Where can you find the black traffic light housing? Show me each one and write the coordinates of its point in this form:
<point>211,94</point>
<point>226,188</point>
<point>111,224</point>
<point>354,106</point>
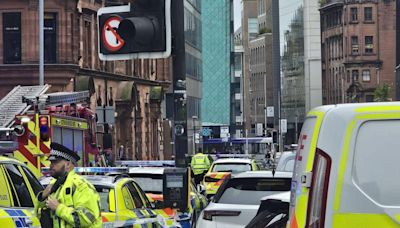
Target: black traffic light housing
<point>143,29</point>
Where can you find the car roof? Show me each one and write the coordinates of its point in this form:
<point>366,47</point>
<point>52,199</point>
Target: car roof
<point>147,170</point>
<point>263,173</point>
<point>4,159</point>
<point>233,160</point>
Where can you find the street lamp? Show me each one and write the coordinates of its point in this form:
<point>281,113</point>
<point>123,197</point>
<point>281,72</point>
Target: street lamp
<point>194,118</point>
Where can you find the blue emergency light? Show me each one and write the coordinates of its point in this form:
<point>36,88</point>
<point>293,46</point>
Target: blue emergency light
<point>46,170</point>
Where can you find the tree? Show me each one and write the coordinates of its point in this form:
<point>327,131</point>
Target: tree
<point>381,93</point>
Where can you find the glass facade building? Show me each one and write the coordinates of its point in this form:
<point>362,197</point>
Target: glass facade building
<point>216,52</point>
<point>291,24</point>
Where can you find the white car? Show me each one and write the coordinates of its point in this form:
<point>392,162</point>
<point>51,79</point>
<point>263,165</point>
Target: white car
<point>238,199</point>
<point>286,161</point>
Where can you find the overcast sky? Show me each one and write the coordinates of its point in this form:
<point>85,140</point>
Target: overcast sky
<point>237,7</point>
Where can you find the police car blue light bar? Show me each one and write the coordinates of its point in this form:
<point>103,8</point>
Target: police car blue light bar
<point>154,163</point>
<point>101,169</point>
<point>46,170</point>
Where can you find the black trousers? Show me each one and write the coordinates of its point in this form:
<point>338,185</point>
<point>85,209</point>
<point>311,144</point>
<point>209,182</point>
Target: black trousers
<point>198,178</point>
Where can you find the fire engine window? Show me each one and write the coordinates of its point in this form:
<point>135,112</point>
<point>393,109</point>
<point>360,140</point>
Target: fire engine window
<point>35,184</point>
<point>68,138</point>
<point>5,198</point>
<point>78,143</point>
<point>57,135</point>
<point>24,197</point>
<point>376,157</point>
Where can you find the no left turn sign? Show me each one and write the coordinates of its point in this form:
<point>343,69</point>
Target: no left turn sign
<point>112,41</point>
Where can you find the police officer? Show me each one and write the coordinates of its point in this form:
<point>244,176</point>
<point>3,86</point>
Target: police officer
<point>200,163</point>
<point>73,201</point>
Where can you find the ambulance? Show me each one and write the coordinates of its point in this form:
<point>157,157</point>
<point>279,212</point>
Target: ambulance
<point>347,167</point>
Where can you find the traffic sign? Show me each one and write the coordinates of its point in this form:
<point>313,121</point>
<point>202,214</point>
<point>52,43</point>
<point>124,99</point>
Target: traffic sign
<point>119,39</point>
<point>110,38</point>
<point>270,111</point>
<point>179,130</point>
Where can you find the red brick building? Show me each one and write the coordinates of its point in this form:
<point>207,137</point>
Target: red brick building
<point>358,49</point>
<point>131,88</point>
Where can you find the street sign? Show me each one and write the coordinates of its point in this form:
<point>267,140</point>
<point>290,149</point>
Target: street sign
<point>206,132</point>
<point>135,31</point>
<point>259,129</point>
<point>284,125</point>
<point>110,38</point>
<point>179,130</point>
<point>270,111</point>
<point>224,131</point>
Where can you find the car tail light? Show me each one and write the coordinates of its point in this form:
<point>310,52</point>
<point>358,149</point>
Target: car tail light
<point>209,214</point>
<point>210,179</point>
<point>319,190</point>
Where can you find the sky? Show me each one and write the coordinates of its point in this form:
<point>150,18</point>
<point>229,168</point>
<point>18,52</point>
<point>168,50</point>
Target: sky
<point>237,7</point>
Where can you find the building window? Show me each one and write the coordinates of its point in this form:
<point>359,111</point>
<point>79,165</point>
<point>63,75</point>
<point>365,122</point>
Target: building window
<point>354,75</point>
<point>354,14</point>
<point>368,14</point>
<point>354,45</point>
<point>50,37</point>
<point>12,38</point>
<point>369,44</point>
<point>348,77</point>
<point>366,76</point>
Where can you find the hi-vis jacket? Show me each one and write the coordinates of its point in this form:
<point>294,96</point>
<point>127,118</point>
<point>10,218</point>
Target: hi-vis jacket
<point>79,204</point>
<point>200,163</point>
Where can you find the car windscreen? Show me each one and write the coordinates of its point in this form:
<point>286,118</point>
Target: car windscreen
<point>231,167</point>
<point>249,191</point>
<point>149,183</point>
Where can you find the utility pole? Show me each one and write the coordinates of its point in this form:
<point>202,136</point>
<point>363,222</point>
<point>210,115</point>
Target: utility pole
<point>179,84</point>
<point>41,42</point>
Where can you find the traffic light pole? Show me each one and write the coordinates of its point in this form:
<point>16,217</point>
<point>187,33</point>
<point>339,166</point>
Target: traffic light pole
<point>179,81</point>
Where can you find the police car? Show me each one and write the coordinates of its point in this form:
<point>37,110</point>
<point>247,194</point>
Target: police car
<point>17,194</point>
<point>222,168</point>
<point>123,202</point>
<point>150,179</point>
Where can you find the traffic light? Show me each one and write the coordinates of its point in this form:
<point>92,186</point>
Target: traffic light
<point>139,30</point>
<point>44,128</point>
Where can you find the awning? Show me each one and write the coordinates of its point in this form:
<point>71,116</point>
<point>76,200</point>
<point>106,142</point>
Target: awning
<point>83,83</point>
<point>156,93</point>
<point>127,92</point>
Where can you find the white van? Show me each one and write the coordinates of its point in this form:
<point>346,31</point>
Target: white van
<point>347,168</point>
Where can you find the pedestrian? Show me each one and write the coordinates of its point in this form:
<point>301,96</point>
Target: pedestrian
<point>121,152</point>
<point>200,164</point>
<point>69,200</point>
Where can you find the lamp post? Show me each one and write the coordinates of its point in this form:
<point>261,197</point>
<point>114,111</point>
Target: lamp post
<point>194,118</point>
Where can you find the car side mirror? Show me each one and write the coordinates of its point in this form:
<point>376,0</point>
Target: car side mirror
<point>201,189</point>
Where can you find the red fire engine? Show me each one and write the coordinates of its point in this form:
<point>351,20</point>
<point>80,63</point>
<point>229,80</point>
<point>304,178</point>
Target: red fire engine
<point>30,120</point>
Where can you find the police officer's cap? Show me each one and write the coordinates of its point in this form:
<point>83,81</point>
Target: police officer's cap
<point>59,151</point>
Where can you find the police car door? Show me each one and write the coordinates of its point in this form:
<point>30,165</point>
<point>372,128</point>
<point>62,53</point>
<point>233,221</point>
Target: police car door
<point>20,197</point>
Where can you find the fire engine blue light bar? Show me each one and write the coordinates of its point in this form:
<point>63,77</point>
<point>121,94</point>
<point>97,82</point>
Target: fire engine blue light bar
<point>155,163</point>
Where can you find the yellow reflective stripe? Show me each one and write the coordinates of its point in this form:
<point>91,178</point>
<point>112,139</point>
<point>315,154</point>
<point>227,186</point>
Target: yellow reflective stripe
<point>342,165</point>
<point>363,220</point>
<point>314,139</point>
<point>379,108</point>
<point>301,209</point>
<point>380,116</point>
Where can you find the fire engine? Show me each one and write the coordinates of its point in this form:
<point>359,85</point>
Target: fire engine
<point>30,120</point>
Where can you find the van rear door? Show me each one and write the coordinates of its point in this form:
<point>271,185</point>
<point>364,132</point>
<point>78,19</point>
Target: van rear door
<point>302,169</point>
